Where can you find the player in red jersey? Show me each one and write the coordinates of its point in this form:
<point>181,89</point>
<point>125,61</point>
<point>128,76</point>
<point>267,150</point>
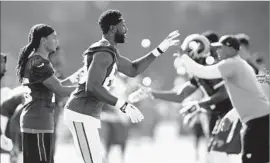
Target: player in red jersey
<point>102,62</point>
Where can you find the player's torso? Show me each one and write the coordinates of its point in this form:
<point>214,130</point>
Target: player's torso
<point>38,111</point>
<point>246,93</point>
<point>85,102</point>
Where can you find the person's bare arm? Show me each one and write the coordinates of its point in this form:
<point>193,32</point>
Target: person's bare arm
<point>133,68</point>
<point>55,85</point>
<point>73,79</point>
<point>219,96</point>
<point>42,72</point>
<point>96,77</point>
<point>173,96</point>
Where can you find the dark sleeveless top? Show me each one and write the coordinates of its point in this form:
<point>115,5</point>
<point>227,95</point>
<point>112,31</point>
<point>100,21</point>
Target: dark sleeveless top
<point>83,101</point>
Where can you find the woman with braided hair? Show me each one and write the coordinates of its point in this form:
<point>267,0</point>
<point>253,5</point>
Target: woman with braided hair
<point>35,72</point>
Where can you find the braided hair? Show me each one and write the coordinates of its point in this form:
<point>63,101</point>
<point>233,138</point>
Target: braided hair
<point>36,33</point>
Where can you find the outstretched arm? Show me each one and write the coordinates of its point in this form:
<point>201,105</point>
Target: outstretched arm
<point>42,72</point>
<point>133,68</point>
<point>223,69</point>
<point>200,71</point>
<point>173,96</point>
<point>55,85</point>
<point>219,96</point>
<point>73,79</point>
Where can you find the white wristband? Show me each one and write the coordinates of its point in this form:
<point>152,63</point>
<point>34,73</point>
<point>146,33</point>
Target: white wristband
<point>155,52</point>
<point>119,103</point>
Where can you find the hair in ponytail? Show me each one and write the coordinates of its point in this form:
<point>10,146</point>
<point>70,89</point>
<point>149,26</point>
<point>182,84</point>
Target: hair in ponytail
<point>36,33</point>
<point>23,58</point>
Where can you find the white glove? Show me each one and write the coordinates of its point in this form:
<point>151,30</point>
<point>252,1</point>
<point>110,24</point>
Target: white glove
<point>142,93</point>
<point>165,44</point>
<point>130,110</point>
<point>6,143</point>
<point>134,113</point>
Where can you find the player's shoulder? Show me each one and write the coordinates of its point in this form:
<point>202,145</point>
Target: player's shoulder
<point>101,46</point>
<point>38,69</point>
<point>233,60</point>
<point>230,64</point>
<point>37,61</point>
<point>101,43</point>
<point>103,57</point>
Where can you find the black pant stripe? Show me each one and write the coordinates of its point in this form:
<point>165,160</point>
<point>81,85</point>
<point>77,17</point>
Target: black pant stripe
<point>87,143</point>
<point>77,135</point>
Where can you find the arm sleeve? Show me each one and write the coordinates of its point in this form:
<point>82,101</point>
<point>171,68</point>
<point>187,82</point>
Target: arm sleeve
<point>253,66</point>
<point>41,70</point>
<point>201,71</point>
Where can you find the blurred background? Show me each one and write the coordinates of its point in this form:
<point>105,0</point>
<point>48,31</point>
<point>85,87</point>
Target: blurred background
<point>76,26</point>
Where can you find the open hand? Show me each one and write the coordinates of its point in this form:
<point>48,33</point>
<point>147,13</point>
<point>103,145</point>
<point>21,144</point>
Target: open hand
<point>133,113</point>
<point>170,40</point>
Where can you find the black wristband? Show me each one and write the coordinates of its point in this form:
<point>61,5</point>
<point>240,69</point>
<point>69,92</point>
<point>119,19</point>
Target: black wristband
<point>123,108</point>
<point>159,50</point>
